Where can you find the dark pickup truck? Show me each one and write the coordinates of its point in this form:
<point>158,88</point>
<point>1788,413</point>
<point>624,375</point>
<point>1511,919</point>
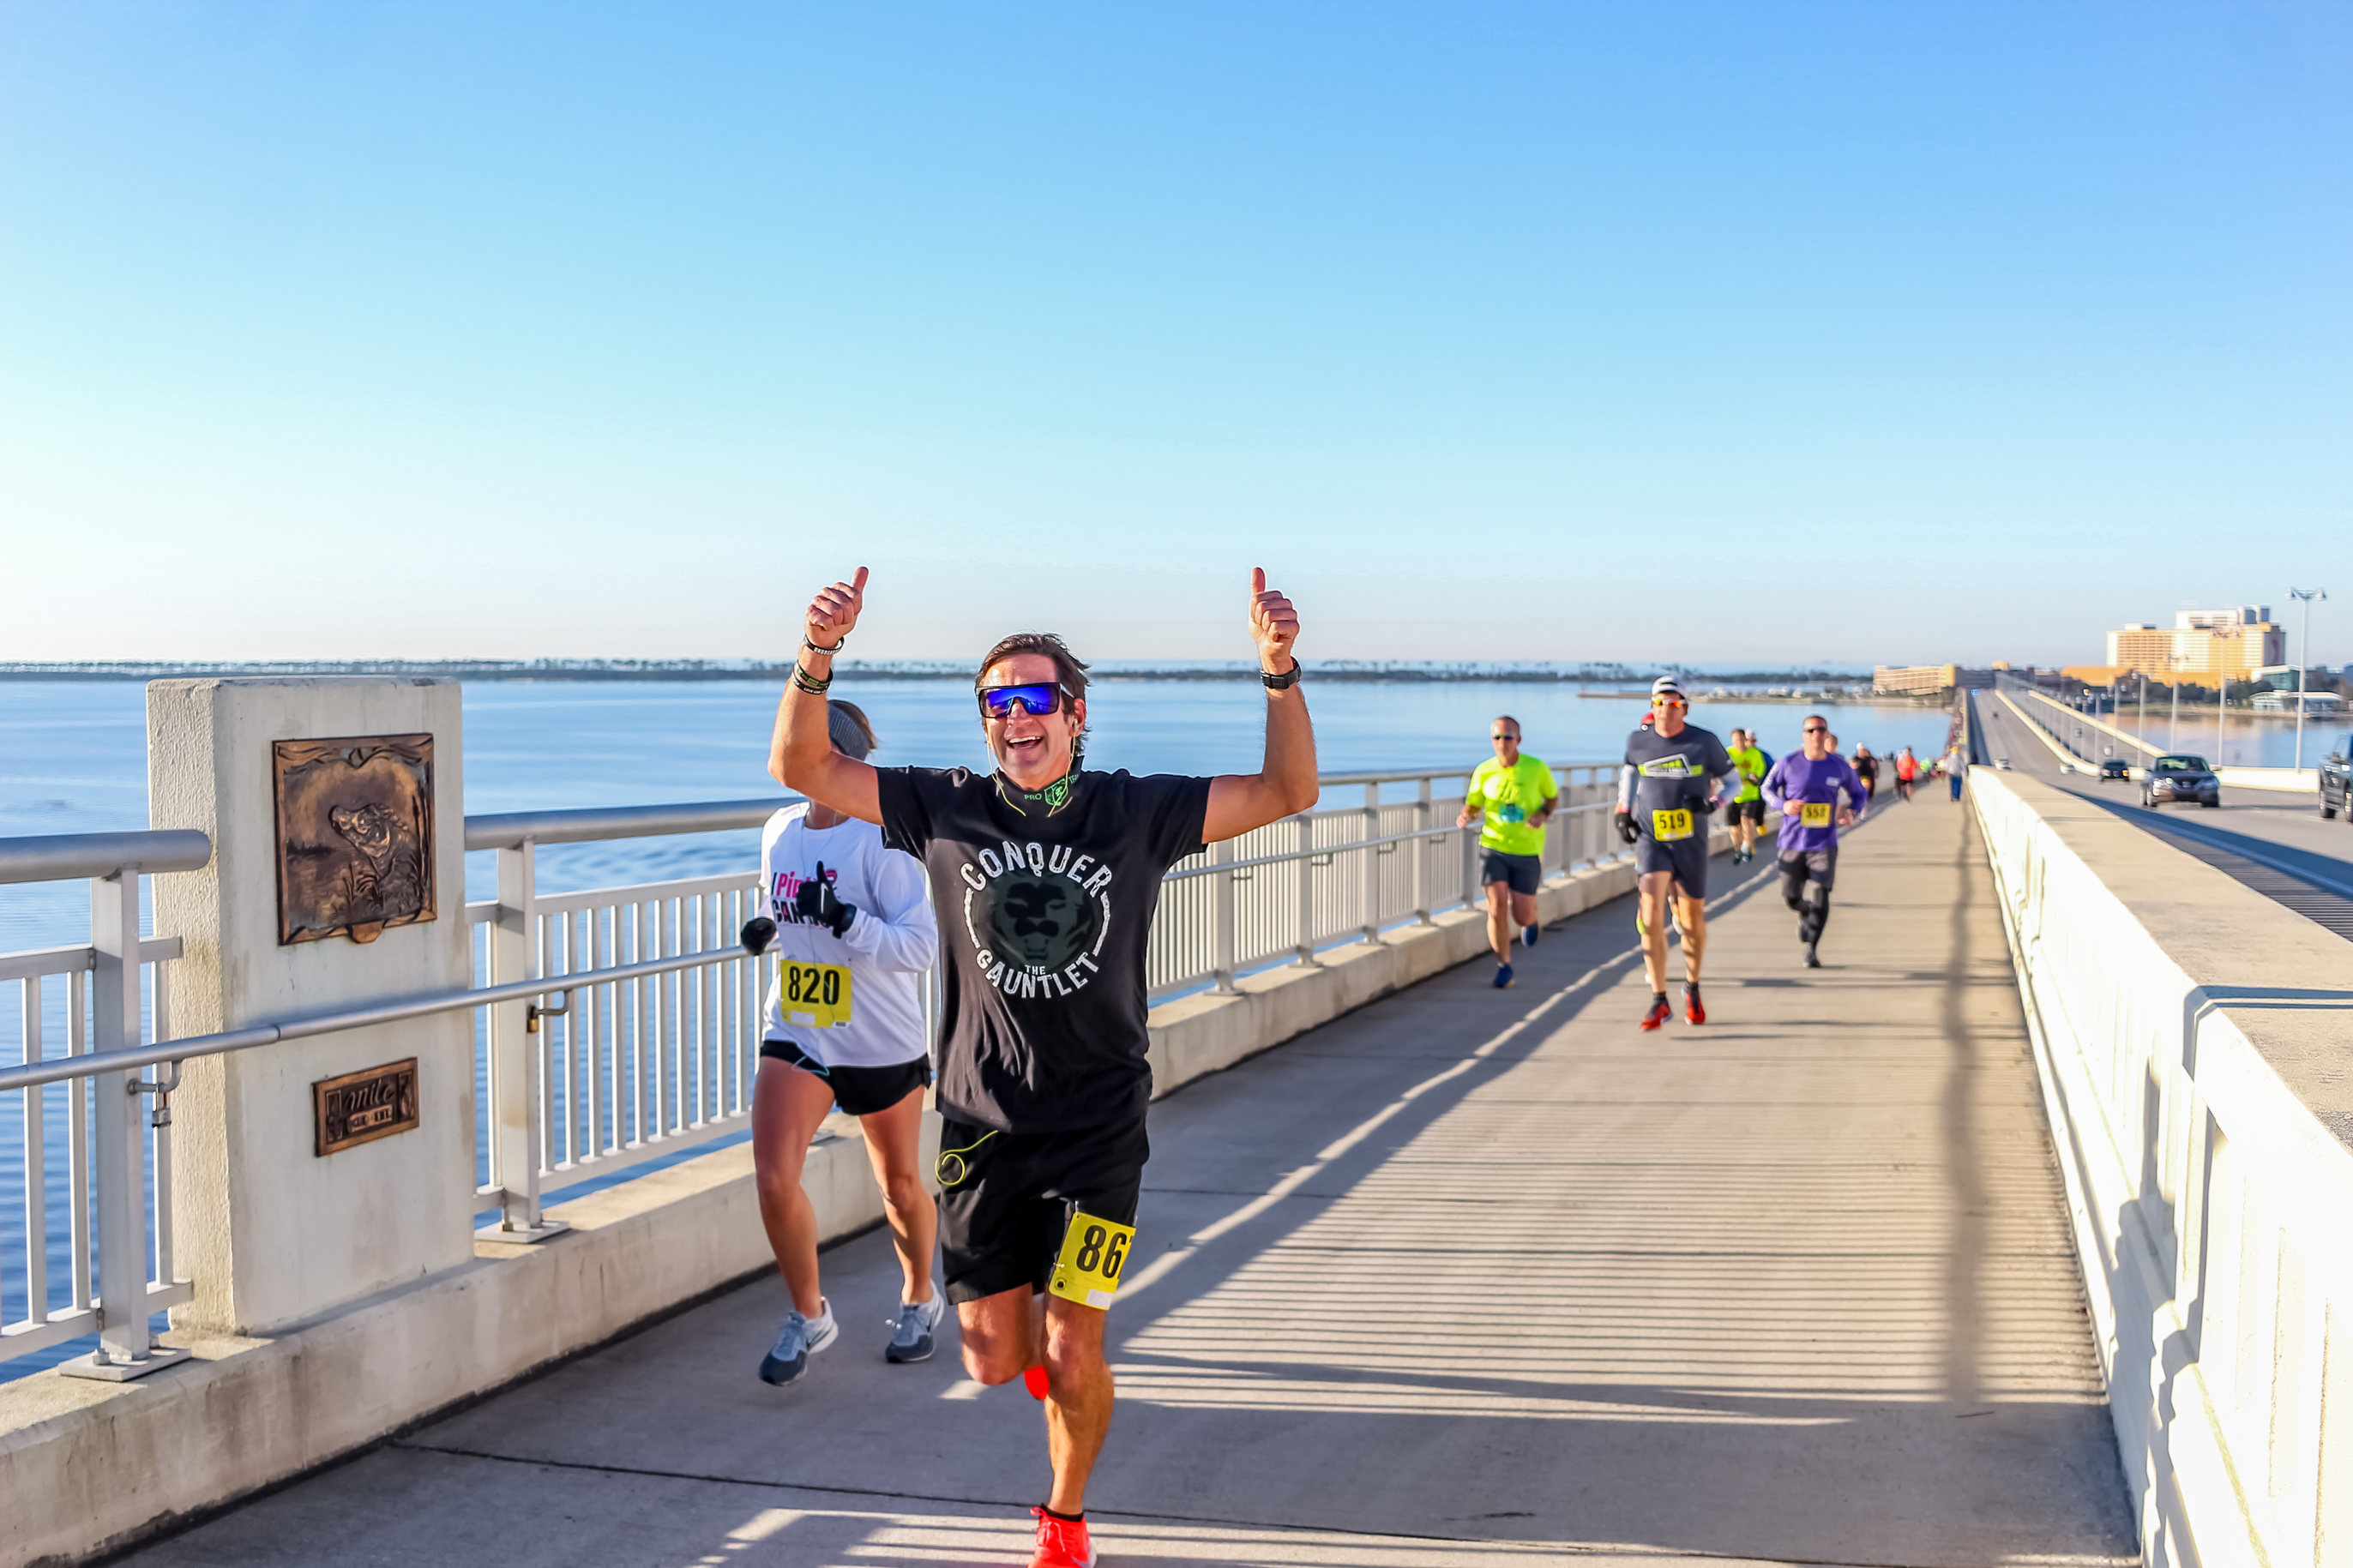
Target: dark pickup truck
<point>2337,778</point>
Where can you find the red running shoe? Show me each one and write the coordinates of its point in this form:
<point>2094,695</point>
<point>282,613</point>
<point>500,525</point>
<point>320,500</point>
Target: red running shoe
<point>1692,1012</point>
<point>1659,1013</point>
<point>1061,1543</point>
<point>1035,1380</point>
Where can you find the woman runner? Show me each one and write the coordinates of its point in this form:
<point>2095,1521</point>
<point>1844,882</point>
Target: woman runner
<point>852,931</point>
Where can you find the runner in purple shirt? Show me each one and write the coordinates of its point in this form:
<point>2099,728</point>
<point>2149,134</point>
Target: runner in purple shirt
<point>1803,788</point>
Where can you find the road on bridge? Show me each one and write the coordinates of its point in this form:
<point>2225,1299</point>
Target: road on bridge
<point>1468,1276</point>
<point>2275,842</point>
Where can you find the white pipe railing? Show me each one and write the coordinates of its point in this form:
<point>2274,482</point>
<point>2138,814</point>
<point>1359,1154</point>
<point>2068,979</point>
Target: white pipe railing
<point>652,1047</point>
<point>115,1249</point>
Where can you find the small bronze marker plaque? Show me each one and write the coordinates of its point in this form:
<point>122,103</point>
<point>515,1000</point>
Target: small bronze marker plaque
<point>354,835</point>
<point>362,1106</point>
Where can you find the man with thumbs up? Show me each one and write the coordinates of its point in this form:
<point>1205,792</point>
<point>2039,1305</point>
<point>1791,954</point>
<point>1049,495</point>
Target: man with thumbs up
<point>1046,875</point>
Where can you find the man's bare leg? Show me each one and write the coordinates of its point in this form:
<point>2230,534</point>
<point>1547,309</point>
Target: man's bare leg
<point>1692,913</point>
<point>1652,890</point>
<point>1006,1334</point>
<point>1500,929</point>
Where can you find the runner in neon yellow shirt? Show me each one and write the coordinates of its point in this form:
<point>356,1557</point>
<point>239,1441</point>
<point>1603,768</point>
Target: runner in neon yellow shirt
<point>1510,795</point>
<point>1747,816</point>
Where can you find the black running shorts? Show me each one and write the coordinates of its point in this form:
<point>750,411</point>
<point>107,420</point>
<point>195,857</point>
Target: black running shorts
<point>1520,872</point>
<point>1754,810</point>
<point>1686,858</point>
<point>1799,866</point>
<point>1005,1198</point>
<point>862,1092</point>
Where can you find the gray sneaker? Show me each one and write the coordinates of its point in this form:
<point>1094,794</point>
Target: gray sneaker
<point>911,1335</point>
<point>799,1339</point>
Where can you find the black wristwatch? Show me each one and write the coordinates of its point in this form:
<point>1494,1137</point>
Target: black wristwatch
<point>1284,682</point>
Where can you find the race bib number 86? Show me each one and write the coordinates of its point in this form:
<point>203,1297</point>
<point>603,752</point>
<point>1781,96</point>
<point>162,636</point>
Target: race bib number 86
<point>814,995</point>
<point>1093,1252</point>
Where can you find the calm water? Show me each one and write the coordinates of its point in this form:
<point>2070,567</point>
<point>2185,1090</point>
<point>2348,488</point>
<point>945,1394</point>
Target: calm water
<point>73,760</point>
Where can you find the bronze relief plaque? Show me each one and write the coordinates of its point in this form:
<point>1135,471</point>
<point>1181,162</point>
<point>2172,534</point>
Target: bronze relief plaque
<point>354,835</point>
<point>362,1106</point>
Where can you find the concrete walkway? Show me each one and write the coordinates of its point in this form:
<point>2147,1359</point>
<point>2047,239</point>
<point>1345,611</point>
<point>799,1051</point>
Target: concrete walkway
<point>1468,1276</point>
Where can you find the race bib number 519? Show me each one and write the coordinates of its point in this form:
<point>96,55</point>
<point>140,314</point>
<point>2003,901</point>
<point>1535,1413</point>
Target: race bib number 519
<point>1093,1252</point>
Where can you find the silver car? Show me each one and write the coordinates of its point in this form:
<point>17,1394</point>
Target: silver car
<point>2181,779</point>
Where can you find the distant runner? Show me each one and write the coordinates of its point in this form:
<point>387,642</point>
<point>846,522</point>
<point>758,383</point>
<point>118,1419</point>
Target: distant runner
<point>1745,816</point>
<point>1907,771</point>
<point>1672,780</point>
<point>1956,767</point>
<point>1866,768</point>
<point>850,928</point>
<point>1511,795</point>
<point>1804,788</point>
<point>1044,878</point>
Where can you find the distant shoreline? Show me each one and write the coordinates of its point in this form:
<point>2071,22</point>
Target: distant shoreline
<point>569,670</point>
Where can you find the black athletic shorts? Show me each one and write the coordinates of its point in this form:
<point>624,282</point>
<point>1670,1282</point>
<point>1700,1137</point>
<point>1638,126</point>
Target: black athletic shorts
<point>862,1092</point>
<point>1754,810</point>
<point>1799,866</point>
<point>1523,872</point>
<point>1005,1198</point>
<point>1686,858</point>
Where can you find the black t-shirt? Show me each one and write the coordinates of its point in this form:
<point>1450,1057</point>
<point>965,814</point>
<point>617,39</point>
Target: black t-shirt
<point>1044,911</point>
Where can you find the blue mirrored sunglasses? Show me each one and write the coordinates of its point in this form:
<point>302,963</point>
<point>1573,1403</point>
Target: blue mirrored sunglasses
<point>997,701</point>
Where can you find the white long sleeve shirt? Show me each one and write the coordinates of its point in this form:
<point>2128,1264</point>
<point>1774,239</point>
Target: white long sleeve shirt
<point>887,948</point>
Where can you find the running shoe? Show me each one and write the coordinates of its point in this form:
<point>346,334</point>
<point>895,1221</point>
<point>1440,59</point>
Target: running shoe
<point>1813,961</point>
<point>1692,1012</point>
<point>1528,935</point>
<point>1659,1013</point>
<point>1035,1380</point>
<point>799,1339</point>
<point>1061,1543</point>
<point>1503,975</point>
<point>911,1335</point>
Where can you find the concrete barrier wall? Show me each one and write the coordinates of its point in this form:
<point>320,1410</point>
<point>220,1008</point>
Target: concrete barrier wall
<point>2191,1038</point>
<point>87,1467</point>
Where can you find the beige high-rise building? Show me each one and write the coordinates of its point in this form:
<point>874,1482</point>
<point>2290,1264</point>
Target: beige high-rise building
<point>2204,645</point>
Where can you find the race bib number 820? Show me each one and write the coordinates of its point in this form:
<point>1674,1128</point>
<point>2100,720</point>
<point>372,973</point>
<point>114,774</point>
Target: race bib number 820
<point>814,995</point>
<point>1093,1252</point>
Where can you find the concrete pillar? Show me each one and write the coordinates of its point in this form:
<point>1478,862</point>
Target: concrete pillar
<point>271,1231</point>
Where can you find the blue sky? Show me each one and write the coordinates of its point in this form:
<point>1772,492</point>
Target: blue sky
<point>1706,333</point>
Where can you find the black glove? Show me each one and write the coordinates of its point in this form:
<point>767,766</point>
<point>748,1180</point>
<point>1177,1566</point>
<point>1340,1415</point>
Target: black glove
<point>814,903</point>
<point>757,933</point>
<point>1709,807</point>
<point>1626,829</point>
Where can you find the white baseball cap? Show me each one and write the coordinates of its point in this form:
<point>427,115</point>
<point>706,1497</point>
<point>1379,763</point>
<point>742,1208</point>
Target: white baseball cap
<point>1668,686</point>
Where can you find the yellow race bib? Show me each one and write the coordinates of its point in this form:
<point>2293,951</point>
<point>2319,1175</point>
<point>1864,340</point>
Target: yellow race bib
<point>814,995</point>
<point>1666,826</point>
<point>1094,1251</point>
<point>1814,813</point>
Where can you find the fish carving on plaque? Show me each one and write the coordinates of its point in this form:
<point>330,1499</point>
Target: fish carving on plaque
<point>354,835</point>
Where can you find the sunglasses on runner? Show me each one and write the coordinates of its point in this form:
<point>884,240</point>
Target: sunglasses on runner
<point>997,701</point>
<point>1668,702</point>
<point>1818,729</point>
<point>1500,735</point>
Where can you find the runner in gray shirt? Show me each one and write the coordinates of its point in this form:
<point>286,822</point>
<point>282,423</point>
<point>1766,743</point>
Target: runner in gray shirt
<point>1672,782</point>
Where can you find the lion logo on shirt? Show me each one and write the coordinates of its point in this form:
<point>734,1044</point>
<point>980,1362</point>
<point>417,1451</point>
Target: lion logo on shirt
<point>1037,917</point>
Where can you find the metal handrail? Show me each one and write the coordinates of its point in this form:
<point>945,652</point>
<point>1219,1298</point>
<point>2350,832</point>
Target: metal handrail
<point>505,830</point>
<point>56,857</point>
<point>58,1069</point>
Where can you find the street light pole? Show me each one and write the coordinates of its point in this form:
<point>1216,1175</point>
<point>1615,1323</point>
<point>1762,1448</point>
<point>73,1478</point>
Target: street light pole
<point>2303,662</point>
